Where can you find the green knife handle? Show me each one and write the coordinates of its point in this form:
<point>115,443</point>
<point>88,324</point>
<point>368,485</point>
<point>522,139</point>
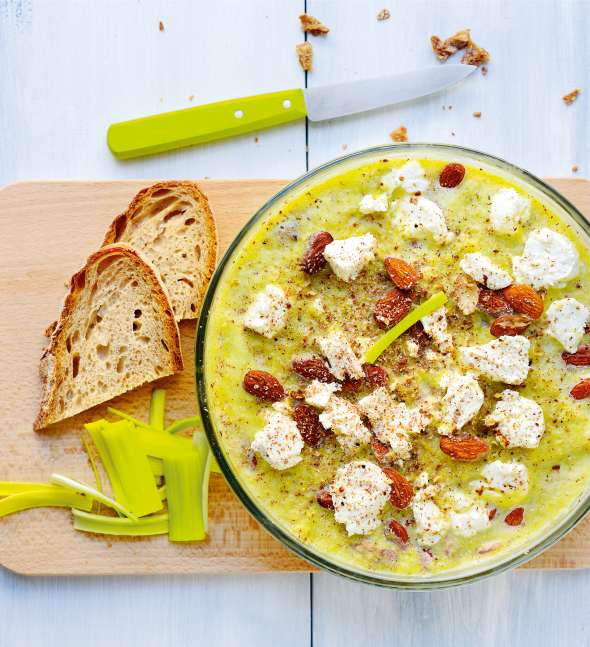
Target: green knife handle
<point>206,123</point>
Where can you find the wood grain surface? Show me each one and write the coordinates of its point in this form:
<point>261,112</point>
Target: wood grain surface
<point>60,223</point>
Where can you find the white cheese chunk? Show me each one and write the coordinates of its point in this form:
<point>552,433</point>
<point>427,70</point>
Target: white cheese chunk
<point>431,521</point>
<point>279,442</point>
<point>519,421</point>
<point>509,210</point>
<point>410,177</point>
<point>548,259</point>
<point>461,402</point>
<point>567,322</point>
<point>359,492</point>
<point>369,204</point>
<point>268,313</point>
<point>505,477</point>
<point>480,268</point>
<point>342,359</point>
<point>420,217</point>
<point>348,257</point>
<point>318,394</point>
<point>505,359</point>
<point>344,419</point>
<point>470,521</point>
<point>412,348</point>
<point>435,326</point>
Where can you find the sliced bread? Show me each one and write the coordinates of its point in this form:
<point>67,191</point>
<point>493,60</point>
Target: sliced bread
<point>172,224</point>
<point>116,331</point>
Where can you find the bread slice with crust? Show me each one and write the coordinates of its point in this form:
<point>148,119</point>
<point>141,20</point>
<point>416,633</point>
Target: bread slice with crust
<point>172,224</point>
<point>116,331</point>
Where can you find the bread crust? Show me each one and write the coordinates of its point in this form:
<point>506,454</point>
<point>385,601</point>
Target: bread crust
<point>51,360</point>
<point>125,219</point>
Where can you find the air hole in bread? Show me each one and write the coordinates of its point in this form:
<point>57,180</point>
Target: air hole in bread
<point>102,351</point>
<point>193,307</point>
<point>183,255</point>
<point>137,313</point>
<point>75,336</point>
<point>120,225</point>
<point>136,326</point>
<point>183,279</point>
<point>69,394</point>
<point>158,206</point>
<point>105,263</point>
<point>61,405</point>
<point>120,364</point>
<point>158,370</point>
<point>75,364</point>
<point>160,192</point>
<point>198,252</point>
<point>165,345</point>
<point>69,344</point>
<point>189,221</point>
<point>79,280</point>
<point>176,212</point>
<point>144,339</point>
<point>134,284</point>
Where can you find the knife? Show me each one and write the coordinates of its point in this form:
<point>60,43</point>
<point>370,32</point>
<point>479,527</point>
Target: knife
<point>212,121</point>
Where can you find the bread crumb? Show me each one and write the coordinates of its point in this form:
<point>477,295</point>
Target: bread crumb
<point>575,168</point>
<point>570,97</point>
<point>474,54</point>
<point>161,26</point>
<point>191,97</point>
<point>484,70</point>
<point>384,15</point>
<point>312,25</point>
<point>399,134</point>
<point>477,114</point>
<point>305,55</point>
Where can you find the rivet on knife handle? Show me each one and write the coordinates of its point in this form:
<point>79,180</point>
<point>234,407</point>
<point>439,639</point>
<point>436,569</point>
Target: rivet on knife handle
<point>209,122</point>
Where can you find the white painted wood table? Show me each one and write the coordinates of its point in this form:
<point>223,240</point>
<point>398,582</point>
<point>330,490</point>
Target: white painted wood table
<point>69,67</point>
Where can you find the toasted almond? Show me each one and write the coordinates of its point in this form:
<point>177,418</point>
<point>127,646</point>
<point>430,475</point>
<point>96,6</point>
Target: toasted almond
<point>309,425</point>
<point>313,368</point>
<point>452,175</point>
<point>402,274</point>
<point>581,390</point>
<point>313,259</point>
<point>324,498</point>
<point>394,527</point>
<point>375,375</point>
<point>263,385</point>
<point>524,299</point>
<point>510,325</point>
<point>493,302</point>
<point>463,448</point>
<point>580,358</point>
<point>515,517</point>
<point>392,308</point>
<point>379,449</point>
<point>402,491</point>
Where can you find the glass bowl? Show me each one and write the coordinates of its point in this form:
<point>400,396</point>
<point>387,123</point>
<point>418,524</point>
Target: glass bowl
<point>504,561</point>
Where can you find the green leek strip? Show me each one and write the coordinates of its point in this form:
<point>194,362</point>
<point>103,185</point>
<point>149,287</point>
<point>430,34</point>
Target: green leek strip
<point>77,486</point>
<point>133,470</point>
<point>93,466</point>
<point>426,308</point>
<point>126,416</point>
<point>56,497</point>
<point>157,408</point>
<point>153,525</point>
<point>7,488</point>
<point>183,424</point>
<point>202,445</point>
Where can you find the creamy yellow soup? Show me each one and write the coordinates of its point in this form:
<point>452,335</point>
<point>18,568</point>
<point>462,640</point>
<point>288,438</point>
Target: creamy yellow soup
<point>558,468</point>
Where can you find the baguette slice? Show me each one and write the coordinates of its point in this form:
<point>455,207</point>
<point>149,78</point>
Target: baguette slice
<point>172,224</point>
<point>116,331</point>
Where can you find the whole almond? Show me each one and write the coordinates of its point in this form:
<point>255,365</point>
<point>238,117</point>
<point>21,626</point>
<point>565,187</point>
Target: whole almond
<point>524,299</point>
<point>402,491</point>
<point>581,390</point>
<point>493,302</point>
<point>394,527</point>
<point>510,325</point>
<point>463,448</point>
<point>313,260</point>
<point>580,358</point>
<point>452,175</point>
<point>515,517</point>
<point>392,308</point>
<point>313,368</point>
<point>403,275</point>
<point>324,498</point>
<point>309,425</point>
<point>263,385</point>
<point>379,449</point>
<point>350,385</point>
<point>375,375</point>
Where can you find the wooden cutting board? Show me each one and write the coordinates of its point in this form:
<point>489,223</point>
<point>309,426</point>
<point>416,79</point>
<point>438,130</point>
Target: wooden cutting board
<point>47,229</point>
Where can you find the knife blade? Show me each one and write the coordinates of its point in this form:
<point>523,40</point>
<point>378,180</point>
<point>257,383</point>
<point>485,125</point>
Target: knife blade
<point>222,119</point>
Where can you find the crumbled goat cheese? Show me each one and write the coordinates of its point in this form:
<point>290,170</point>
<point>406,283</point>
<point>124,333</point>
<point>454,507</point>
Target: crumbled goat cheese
<point>458,499</point>
<point>412,348</point>
<point>480,268</point>
<point>471,521</point>
<point>369,204</point>
<point>505,359</point>
<point>318,306</point>
<point>359,492</point>
<point>465,294</point>
<point>410,177</point>
<point>268,313</point>
<point>279,442</point>
<point>343,418</point>
<point>418,216</point>
<point>567,322</point>
<point>519,421</point>
<point>282,406</point>
<point>435,326</point>
<point>349,256</point>
<point>505,477</point>
<point>462,401</point>
<point>548,259</point>
<point>508,211</point>
<point>318,394</point>
<point>431,522</point>
<point>342,359</point>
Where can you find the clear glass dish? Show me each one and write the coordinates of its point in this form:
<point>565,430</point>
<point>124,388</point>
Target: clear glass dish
<point>504,561</point>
